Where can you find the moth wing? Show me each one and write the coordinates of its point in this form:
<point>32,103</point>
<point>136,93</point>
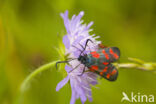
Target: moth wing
<point>108,72</point>
<point>110,54</point>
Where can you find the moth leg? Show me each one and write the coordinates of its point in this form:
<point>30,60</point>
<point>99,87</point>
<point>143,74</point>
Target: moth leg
<point>70,59</point>
<point>76,48</point>
<point>81,46</point>
<point>82,71</point>
<point>84,48</point>
<point>60,62</point>
<point>74,68</point>
<point>86,45</point>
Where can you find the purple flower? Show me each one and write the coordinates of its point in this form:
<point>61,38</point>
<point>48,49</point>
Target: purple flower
<point>78,33</point>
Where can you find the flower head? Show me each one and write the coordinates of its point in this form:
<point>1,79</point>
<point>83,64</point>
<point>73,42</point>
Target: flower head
<point>74,41</point>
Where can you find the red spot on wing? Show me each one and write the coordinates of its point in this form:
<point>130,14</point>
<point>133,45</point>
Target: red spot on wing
<point>106,55</point>
<point>114,54</point>
<point>108,76</point>
<point>113,72</point>
<point>105,63</point>
<point>95,54</point>
<point>93,68</point>
<point>104,70</point>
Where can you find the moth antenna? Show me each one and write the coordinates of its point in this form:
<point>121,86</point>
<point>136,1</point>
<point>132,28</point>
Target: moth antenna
<point>60,62</point>
<point>76,48</point>
<point>64,61</point>
<point>86,45</point>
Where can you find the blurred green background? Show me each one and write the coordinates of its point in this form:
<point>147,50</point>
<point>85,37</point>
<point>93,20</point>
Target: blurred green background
<point>28,32</point>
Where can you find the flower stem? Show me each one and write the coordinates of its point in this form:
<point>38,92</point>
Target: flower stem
<point>36,72</point>
<point>137,64</point>
<point>146,66</point>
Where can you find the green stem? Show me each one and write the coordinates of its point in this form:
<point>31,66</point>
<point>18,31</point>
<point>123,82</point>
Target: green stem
<point>137,64</point>
<point>36,72</point>
<point>147,66</point>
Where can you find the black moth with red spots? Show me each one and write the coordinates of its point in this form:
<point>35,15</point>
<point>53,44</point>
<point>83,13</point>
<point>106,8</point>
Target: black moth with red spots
<point>99,61</point>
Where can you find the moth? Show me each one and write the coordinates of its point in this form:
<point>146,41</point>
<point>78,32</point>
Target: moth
<point>100,61</point>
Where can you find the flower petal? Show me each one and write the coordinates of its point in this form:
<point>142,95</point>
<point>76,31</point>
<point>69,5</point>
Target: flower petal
<point>87,27</point>
<point>81,92</point>
<point>76,53</point>
<point>76,41</point>
<point>76,21</point>
<point>73,97</point>
<point>90,24</point>
<point>90,96</point>
<point>66,21</point>
<point>62,83</point>
<point>66,41</point>
<point>68,68</point>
